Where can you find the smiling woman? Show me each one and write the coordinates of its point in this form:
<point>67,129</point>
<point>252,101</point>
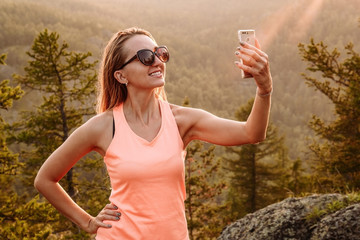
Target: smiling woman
<point>143,140</point>
<point>114,58</point>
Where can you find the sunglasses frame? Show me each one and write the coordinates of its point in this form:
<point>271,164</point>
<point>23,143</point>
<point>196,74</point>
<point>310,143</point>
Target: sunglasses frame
<point>154,53</point>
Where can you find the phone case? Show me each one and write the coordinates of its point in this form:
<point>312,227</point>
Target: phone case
<point>247,36</point>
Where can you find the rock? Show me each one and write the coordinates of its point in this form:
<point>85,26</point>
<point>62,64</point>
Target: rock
<point>289,220</point>
<point>343,224</point>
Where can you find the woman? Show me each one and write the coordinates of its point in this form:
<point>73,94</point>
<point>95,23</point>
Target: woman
<point>143,139</point>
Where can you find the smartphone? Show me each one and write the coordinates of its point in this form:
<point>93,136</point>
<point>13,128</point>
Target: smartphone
<point>249,37</point>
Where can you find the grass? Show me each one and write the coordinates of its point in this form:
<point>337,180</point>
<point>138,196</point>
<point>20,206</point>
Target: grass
<point>316,214</point>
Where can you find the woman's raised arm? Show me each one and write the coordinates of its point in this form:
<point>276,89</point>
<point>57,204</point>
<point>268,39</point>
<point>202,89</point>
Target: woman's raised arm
<point>199,124</point>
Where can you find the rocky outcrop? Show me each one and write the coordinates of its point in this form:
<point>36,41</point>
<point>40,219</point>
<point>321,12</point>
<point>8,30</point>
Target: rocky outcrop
<point>309,218</point>
<point>343,224</point>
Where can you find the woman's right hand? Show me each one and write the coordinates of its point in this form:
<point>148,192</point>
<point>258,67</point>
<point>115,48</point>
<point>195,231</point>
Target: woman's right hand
<point>109,212</point>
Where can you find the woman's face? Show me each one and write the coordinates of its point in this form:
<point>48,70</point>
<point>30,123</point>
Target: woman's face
<point>137,74</point>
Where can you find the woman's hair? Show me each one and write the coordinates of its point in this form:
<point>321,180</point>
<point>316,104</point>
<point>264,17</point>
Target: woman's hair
<point>111,93</point>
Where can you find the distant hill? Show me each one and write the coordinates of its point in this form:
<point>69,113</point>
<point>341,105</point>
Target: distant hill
<point>201,36</point>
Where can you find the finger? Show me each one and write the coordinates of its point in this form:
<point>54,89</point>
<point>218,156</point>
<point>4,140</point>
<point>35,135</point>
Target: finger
<point>254,54</point>
<point>111,213</point>
<point>243,66</point>
<point>256,48</point>
<point>254,71</point>
<point>109,217</point>
<point>250,58</point>
<point>103,217</point>
<point>110,206</point>
<point>102,224</point>
<point>245,59</point>
<point>96,223</point>
<point>257,44</point>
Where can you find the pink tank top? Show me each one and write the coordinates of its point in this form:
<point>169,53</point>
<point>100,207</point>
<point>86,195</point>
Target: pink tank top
<point>147,180</point>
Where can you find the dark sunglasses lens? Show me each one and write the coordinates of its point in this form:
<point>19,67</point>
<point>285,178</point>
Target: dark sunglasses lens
<point>146,57</point>
<point>163,54</point>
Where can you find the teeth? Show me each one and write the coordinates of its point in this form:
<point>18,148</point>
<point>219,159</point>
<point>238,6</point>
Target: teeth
<point>158,73</point>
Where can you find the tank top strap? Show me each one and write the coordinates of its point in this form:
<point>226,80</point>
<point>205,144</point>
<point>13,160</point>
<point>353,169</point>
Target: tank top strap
<point>117,111</point>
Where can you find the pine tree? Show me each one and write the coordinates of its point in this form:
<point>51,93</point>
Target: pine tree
<point>19,219</point>
<point>66,81</point>
<point>203,190</point>
<point>8,160</point>
<point>336,152</point>
<point>255,171</point>
<point>9,164</point>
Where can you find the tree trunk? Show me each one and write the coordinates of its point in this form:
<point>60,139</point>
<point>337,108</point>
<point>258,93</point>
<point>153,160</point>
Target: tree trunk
<point>253,183</point>
<point>69,175</point>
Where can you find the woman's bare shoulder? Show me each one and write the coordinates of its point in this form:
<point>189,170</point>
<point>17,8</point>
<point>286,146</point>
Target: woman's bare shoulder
<point>185,112</point>
<point>185,118</point>
<point>179,112</point>
<point>97,131</point>
<point>174,108</point>
<point>99,122</point>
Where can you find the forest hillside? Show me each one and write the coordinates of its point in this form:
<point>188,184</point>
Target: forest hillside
<point>202,38</point>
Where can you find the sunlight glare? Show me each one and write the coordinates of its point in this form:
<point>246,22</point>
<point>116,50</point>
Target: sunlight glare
<point>273,24</point>
<point>306,20</point>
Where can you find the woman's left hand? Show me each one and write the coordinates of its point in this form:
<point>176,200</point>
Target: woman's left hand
<point>255,62</point>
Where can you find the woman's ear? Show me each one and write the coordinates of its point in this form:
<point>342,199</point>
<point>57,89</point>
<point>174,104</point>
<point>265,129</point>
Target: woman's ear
<point>119,76</point>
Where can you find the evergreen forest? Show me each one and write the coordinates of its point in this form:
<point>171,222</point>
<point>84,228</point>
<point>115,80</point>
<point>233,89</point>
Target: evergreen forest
<point>313,139</point>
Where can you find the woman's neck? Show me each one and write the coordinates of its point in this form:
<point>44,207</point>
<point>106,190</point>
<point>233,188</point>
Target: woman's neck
<point>141,107</point>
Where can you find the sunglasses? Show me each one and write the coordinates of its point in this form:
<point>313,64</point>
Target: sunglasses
<point>147,57</point>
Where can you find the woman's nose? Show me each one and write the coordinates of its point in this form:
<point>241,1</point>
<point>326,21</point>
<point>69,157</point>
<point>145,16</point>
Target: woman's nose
<point>157,61</point>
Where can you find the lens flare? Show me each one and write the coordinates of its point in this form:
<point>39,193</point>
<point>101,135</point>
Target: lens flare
<point>306,20</point>
<point>273,24</point>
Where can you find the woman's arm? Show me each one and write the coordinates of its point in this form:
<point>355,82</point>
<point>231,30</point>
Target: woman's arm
<point>93,135</point>
<point>199,124</point>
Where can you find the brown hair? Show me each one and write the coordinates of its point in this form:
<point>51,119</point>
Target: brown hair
<point>111,92</point>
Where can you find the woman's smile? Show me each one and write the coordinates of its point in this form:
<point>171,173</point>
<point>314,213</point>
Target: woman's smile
<point>157,74</point>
